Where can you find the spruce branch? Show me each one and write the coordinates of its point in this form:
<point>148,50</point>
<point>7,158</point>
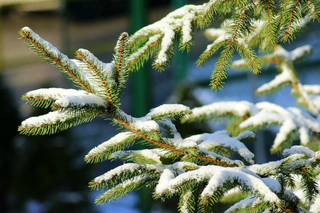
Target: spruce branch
<point>199,168</point>
<point>45,50</point>
<point>123,173</point>
<point>284,62</point>
<point>124,188</point>
<point>187,202</point>
<point>105,150</point>
<point>151,135</point>
<point>47,97</point>
<point>99,72</point>
<point>120,62</point>
<point>54,122</point>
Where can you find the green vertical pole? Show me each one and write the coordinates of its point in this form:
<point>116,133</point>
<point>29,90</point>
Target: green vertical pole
<point>180,60</point>
<point>140,89</point>
<point>1,47</point>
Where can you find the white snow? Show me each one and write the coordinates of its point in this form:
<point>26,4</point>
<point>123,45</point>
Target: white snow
<point>153,154</point>
<point>55,93</point>
<point>272,184</point>
<point>315,207</point>
<point>311,89</point>
<point>239,108</point>
<point>307,100</point>
<point>141,124</point>
<point>222,138</point>
<point>217,175</point>
<point>239,63</point>
<point>290,119</point>
<point>166,177</point>
<point>248,201</point>
<point>220,39</point>
<point>244,179</point>
<point>180,166</point>
<point>214,32</point>
<point>166,27</point>
<point>114,141</point>
<point>80,101</point>
<point>300,52</point>
<point>168,109</point>
<point>128,167</point>
<point>151,41</point>
<point>184,207</point>
<point>104,68</point>
<point>298,150</point>
<point>271,167</point>
<point>286,76</point>
<point>47,119</point>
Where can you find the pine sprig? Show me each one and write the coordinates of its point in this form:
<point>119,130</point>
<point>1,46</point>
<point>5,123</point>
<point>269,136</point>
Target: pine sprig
<point>54,122</point>
<point>105,150</point>
<point>291,14</point>
<point>124,188</point>
<point>100,73</point>
<point>120,62</point>
<point>270,26</point>
<point>52,55</point>
<point>187,202</point>
<point>220,72</point>
<point>123,173</point>
<point>200,168</point>
<point>47,97</point>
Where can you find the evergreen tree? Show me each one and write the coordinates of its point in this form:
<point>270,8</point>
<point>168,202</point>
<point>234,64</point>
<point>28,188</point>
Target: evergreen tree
<point>206,168</point>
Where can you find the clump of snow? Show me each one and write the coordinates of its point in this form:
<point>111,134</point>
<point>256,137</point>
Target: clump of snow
<point>184,207</point>
<point>298,150</point>
<point>55,93</point>
<point>113,142</point>
<point>238,108</point>
<point>285,76</point>
<point>222,138</point>
<point>142,124</point>
<point>80,101</point>
<point>167,109</point>
<point>315,207</point>
<point>153,154</point>
<point>239,63</point>
<point>248,201</point>
<point>214,32</point>
<point>166,27</point>
<point>266,168</point>
<point>311,89</point>
<point>290,119</point>
<point>217,177</point>
<point>47,119</point>
<point>300,52</point>
<point>128,167</point>
<point>166,176</point>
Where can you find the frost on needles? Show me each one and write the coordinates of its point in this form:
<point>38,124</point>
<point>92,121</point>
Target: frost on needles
<point>206,168</point>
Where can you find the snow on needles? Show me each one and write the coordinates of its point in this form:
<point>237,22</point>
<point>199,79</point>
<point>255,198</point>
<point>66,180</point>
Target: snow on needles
<point>217,176</point>
<point>167,27</point>
<point>47,119</point>
<point>290,119</point>
<point>81,101</point>
<point>54,93</point>
<point>54,52</point>
<point>239,108</point>
<point>222,138</point>
<point>113,142</point>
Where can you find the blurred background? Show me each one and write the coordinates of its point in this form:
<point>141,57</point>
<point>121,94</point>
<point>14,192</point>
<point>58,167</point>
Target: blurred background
<point>47,173</point>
